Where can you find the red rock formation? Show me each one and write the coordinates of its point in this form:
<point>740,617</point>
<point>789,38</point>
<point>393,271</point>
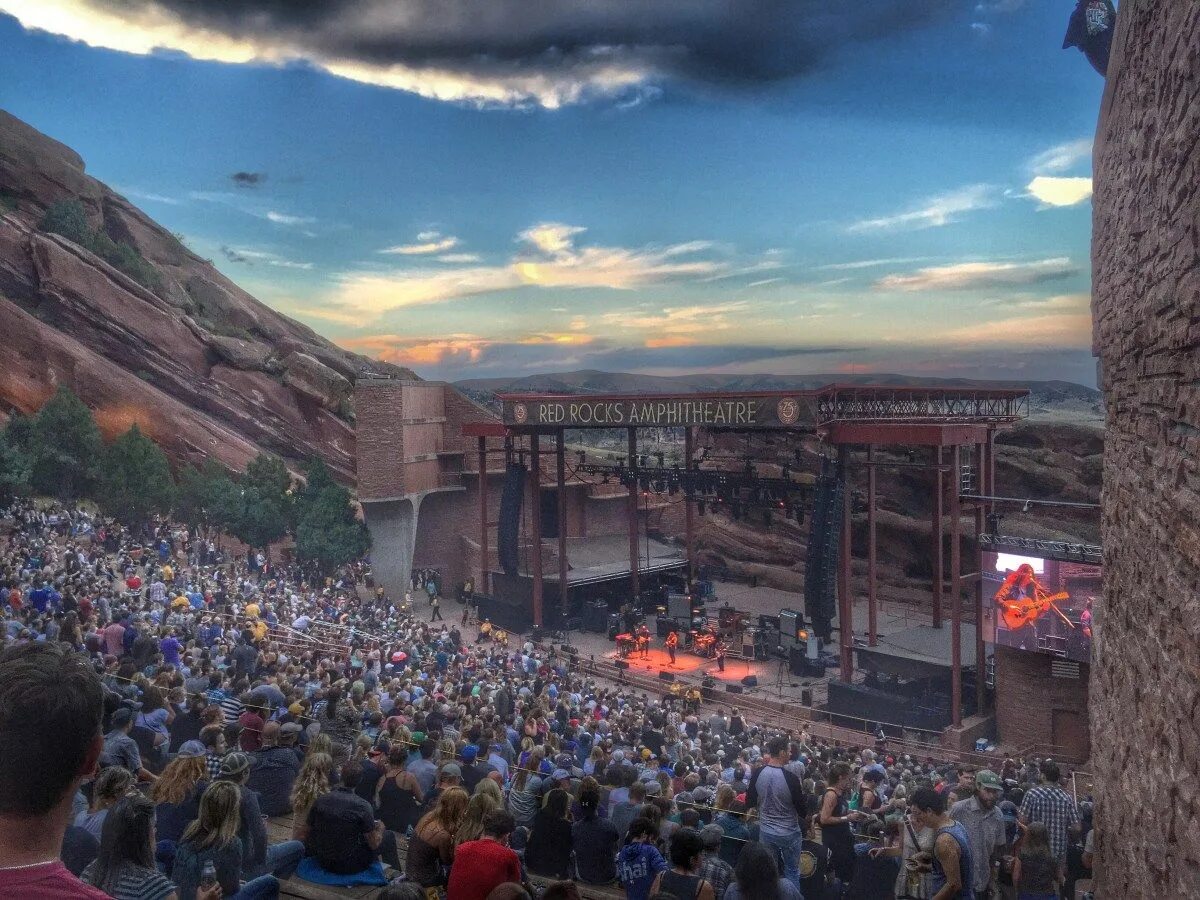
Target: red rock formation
<point>200,364</point>
<point>1145,694</point>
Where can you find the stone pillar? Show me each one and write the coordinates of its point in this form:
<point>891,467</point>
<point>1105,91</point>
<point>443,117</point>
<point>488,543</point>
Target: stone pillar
<point>393,527</point>
<point>1145,692</point>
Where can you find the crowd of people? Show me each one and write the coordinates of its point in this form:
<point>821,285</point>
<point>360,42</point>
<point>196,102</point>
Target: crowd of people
<point>161,698</point>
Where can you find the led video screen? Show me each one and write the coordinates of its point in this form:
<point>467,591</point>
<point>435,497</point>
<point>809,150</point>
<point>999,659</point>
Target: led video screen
<point>1040,605</point>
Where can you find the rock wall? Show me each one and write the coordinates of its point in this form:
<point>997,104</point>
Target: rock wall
<point>198,363</point>
<point>1145,712</point>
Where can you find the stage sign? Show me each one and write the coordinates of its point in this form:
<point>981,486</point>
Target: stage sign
<point>727,411</point>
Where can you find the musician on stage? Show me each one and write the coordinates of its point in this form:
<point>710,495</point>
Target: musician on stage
<point>720,654</point>
<point>672,642</point>
<point>643,640</point>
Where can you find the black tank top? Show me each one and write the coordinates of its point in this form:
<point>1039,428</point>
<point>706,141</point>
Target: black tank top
<point>685,887</point>
<point>398,808</point>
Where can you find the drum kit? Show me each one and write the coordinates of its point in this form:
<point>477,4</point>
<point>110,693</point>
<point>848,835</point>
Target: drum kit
<point>704,643</point>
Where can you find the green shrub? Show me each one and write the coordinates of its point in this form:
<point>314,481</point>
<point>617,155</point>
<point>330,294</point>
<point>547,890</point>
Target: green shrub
<point>67,218</point>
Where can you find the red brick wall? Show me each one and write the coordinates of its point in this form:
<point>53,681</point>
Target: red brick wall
<point>379,409</point>
<point>1027,698</point>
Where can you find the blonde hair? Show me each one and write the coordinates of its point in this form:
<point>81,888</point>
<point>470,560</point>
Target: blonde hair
<point>321,743</point>
<point>449,812</point>
<point>312,782</point>
<point>219,819</point>
<point>489,787</point>
<point>471,827</point>
<point>179,779</point>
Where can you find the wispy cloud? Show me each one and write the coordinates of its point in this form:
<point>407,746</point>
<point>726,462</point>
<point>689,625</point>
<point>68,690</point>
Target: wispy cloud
<point>1060,191</point>
<point>1061,157</point>
<point>679,321</point>
<point>428,243</point>
<point>1066,330</point>
<point>151,197</point>
<point>252,257</point>
<point>284,219</point>
<point>871,263</point>
<point>459,258</point>
<point>976,275</point>
<point>934,212</point>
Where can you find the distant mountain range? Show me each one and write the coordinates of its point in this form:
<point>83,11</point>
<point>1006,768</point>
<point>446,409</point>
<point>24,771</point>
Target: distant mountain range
<point>1045,396</point>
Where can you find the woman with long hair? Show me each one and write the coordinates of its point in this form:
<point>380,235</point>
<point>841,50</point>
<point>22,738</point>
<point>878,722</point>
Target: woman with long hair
<point>548,852</point>
<point>156,715</point>
<point>398,796</point>
<point>178,790</point>
<point>311,783</point>
<point>1036,872</point>
<point>492,789</point>
<point>756,877</point>
<point>431,846</point>
<point>321,743</point>
<point>213,837</point>
<point>471,828</point>
<point>110,786</point>
<point>124,868</point>
<point>526,787</point>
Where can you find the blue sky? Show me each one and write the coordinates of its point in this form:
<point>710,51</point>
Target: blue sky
<point>903,188</point>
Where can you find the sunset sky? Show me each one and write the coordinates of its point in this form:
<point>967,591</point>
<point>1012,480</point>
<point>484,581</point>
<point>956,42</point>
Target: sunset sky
<point>507,187</point>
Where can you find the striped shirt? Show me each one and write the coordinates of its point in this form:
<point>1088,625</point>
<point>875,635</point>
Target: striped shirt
<point>132,882</point>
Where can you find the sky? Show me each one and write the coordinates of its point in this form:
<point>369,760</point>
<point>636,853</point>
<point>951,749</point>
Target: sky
<point>499,189</point>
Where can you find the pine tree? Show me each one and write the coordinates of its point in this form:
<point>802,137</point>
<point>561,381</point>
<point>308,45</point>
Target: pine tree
<point>14,467</point>
<point>134,479</point>
<point>328,533</point>
<point>264,510</point>
<point>207,497</point>
<point>64,447</point>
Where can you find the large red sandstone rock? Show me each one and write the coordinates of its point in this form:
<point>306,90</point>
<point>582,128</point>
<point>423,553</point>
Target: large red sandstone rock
<point>198,362</point>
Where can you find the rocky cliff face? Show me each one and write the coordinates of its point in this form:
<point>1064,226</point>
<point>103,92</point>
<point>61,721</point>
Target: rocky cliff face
<point>196,361</point>
<point>1145,710</point>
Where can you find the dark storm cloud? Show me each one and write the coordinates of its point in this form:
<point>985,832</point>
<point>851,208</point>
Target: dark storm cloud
<point>706,42</point>
<point>235,256</point>
<point>248,179</point>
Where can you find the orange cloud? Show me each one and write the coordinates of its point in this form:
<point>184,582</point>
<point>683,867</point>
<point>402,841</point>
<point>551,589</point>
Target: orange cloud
<point>677,340</point>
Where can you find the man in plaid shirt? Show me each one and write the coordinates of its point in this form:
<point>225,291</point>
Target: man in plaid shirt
<point>213,739</point>
<point>1053,807</point>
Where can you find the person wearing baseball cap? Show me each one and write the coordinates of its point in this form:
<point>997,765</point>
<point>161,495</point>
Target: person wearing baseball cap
<point>259,858</point>
<point>986,831</point>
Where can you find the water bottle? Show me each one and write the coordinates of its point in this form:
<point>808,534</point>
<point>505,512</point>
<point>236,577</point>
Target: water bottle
<point>208,875</point>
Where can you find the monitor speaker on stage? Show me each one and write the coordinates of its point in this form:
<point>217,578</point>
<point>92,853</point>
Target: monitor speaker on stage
<point>621,663</point>
<point>750,681</point>
<point>666,676</point>
<point>507,535</point>
<point>733,688</point>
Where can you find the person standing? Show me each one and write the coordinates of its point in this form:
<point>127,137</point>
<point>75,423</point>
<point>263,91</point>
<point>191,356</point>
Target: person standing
<point>781,801</point>
<point>720,656</point>
<point>952,878</point>
<point>672,642</point>
<point>436,604</point>
<point>835,818</point>
<point>1053,807</point>
<point>985,829</point>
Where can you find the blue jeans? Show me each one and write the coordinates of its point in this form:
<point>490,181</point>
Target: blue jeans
<point>282,860</point>
<point>787,847</point>
<point>264,887</point>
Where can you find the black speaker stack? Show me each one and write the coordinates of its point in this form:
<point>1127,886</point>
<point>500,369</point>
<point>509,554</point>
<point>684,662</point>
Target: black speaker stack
<point>508,531</point>
<point>820,567</point>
